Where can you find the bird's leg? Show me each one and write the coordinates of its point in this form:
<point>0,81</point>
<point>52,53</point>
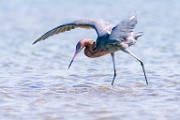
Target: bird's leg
<point>129,52</point>
<point>114,67</point>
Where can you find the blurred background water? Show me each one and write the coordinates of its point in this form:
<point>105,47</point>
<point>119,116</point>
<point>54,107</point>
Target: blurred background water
<point>35,83</point>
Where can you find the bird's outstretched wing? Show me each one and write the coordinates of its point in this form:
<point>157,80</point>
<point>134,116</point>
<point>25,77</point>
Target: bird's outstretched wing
<point>123,29</point>
<point>100,26</point>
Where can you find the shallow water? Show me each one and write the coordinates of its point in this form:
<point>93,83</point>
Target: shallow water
<point>36,84</point>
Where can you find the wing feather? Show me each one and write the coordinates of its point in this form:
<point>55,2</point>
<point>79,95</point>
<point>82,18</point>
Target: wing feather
<point>124,28</point>
<point>100,26</point>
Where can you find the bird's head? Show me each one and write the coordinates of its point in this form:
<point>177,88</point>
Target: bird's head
<point>88,43</point>
<point>80,45</point>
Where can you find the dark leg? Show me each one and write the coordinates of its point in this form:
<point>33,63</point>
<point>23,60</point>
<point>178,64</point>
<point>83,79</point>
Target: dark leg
<point>142,65</point>
<point>114,67</point>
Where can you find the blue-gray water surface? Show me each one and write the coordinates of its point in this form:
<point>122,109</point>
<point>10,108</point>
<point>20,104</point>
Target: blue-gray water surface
<point>35,83</point>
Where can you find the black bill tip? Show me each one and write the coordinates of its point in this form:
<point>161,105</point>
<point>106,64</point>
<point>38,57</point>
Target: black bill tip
<point>70,64</point>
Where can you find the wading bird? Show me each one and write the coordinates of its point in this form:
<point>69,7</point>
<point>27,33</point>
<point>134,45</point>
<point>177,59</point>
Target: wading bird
<point>110,38</point>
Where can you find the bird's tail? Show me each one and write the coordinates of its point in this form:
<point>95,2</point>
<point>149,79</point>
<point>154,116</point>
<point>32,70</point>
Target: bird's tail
<point>139,34</point>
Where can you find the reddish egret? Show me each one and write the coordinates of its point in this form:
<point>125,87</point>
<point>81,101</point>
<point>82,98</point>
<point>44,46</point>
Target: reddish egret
<point>110,38</point>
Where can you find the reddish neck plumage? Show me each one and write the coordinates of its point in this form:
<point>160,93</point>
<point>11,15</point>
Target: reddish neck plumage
<point>89,50</point>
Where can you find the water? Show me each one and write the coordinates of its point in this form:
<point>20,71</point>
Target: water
<point>36,84</point>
